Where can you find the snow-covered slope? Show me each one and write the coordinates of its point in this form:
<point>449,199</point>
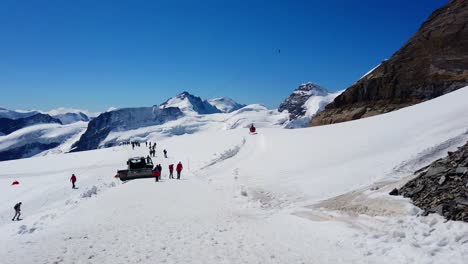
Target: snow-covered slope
<point>191,124</point>
<point>123,120</point>
<point>226,105</point>
<point>32,140</point>
<point>243,198</point>
<point>306,101</point>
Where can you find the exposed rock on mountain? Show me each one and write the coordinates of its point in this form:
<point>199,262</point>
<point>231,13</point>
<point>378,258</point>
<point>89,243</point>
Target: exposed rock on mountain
<point>189,103</point>
<point>306,101</point>
<point>121,120</point>
<point>225,105</point>
<point>433,62</point>
<point>8,126</point>
<point>443,187</point>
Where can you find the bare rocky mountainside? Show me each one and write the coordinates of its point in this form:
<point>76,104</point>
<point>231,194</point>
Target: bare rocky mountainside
<point>433,62</point>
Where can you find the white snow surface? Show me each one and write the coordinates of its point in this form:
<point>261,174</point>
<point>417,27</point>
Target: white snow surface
<point>242,198</point>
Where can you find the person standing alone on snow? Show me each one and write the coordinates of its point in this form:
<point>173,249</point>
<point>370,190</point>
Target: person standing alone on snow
<point>171,171</point>
<point>73,180</point>
<point>17,212</point>
<point>179,169</point>
<point>157,172</point>
<point>165,153</point>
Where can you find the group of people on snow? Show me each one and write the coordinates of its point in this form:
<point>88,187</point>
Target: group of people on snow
<point>152,149</point>
<point>17,206</point>
<point>158,170</point>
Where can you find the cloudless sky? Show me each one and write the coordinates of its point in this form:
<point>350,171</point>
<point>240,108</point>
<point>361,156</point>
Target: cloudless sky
<point>98,54</point>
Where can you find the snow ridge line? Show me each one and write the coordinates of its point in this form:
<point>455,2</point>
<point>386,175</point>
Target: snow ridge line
<point>429,155</point>
<point>227,154</point>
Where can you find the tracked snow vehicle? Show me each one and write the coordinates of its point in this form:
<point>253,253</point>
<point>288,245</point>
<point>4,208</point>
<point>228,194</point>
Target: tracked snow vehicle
<point>138,167</point>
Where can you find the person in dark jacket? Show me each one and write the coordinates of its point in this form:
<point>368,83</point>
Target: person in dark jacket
<point>165,153</point>
<point>17,208</point>
<point>171,171</point>
<point>179,169</point>
<point>157,172</point>
<point>73,180</point>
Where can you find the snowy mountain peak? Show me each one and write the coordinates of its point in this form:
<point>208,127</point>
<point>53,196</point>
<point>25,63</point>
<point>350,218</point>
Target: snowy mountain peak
<point>225,104</point>
<point>306,101</point>
<point>189,103</point>
<point>309,89</point>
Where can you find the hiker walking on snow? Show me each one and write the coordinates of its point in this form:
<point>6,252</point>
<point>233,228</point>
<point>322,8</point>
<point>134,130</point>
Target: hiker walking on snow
<point>17,208</point>
<point>165,153</point>
<point>179,169</point>
<point>73,180</point>
<point>157,172</point>
<point>171,171</point>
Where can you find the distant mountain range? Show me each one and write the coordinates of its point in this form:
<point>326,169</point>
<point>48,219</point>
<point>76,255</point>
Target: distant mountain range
<point>28,133</point>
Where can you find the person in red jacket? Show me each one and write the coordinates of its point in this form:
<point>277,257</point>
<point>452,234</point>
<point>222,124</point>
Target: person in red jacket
<point>73,180</point>
<point>171,171</point>
<point>179,169</point>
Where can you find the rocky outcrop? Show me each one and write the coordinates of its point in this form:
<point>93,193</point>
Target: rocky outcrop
<point>442,187</point>
<point>8,126</point>
<point>122,120</point>
<point>433,62</point>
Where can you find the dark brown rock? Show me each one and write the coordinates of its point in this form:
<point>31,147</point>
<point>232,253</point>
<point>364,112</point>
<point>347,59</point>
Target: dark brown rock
<point>433,62</point>
<point>443,188</point>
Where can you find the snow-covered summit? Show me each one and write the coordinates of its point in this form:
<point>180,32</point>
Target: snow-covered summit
<point>306,101</point>
<point>189,103</point>
<point>225,104</point>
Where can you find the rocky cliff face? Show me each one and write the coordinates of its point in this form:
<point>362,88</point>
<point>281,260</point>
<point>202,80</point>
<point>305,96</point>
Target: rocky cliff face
<point>443,187</point>
<point>121,120</point>
<point>433,62</point>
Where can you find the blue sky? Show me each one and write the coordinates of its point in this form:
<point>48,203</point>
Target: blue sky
<point>98,54</point>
